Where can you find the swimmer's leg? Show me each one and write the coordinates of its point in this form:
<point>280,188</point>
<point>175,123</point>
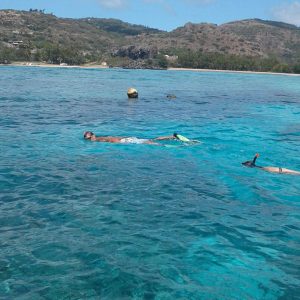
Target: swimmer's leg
<point>288,171</point>
<point>149,142</point>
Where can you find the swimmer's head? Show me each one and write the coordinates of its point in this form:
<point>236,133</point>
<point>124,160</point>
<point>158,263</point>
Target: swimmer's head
<point>88,135</point>
<point>251,163</point>
<point>248,163</point>
<point>175,134</point>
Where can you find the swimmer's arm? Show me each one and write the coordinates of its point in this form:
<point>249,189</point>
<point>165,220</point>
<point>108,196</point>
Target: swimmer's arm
<point>108,139</point>
<point>99,139</point>
<point>162,138</point>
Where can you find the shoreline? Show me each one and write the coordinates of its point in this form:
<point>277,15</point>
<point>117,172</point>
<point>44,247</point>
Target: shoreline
<point>232,71</point>
<point>46,65</point>
<point>97,66</point>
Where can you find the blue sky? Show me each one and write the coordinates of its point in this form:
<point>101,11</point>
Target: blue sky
<point>167,14</point>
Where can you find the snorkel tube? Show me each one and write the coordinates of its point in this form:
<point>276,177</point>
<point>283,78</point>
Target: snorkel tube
<point>254,159</point>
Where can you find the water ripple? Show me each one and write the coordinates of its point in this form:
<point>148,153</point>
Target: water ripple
<point>87,220</point>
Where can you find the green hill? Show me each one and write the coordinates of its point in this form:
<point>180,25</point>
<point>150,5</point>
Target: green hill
<point>241,45</point>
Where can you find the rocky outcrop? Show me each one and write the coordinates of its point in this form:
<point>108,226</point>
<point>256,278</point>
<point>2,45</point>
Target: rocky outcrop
<point>135,52</point>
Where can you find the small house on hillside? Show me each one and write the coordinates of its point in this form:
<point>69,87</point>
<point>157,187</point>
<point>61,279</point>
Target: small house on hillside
<point>171,57</point>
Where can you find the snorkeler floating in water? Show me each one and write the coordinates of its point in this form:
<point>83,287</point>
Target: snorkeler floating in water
<point>88,135</point>
<point>279,170</point>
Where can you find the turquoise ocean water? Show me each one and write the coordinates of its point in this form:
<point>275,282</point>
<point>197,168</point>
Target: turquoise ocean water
<point>82,220</point>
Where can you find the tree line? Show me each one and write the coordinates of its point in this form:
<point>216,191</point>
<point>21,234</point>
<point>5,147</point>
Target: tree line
<point>56,54</point>
<point>201,60</point>
<point>53,54</point>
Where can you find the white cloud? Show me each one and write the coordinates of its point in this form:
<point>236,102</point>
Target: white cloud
<point>113,4</point>
<point>288,13</point>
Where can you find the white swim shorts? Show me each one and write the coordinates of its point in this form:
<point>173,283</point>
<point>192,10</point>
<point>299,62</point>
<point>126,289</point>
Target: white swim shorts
<point>133,140</point>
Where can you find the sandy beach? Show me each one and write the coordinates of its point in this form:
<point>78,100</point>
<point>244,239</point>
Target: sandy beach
<point>41,64</point>
<point>230,71</point>
<point>99,66</point>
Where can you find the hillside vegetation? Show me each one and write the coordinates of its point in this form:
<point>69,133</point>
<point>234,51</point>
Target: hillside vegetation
<point>242,45</point>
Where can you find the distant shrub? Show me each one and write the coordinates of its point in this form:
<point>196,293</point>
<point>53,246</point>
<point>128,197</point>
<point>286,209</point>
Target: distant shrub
<point>55,54</point>
<point>282,68</point>
<point>296,69</point>
<point>162,62</point>
<point>202,60</point>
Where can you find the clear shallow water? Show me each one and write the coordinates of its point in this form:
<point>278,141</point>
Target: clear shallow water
<point>83,220</point>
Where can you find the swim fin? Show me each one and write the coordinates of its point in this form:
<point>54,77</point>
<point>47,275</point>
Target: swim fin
<point>182,138</point>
